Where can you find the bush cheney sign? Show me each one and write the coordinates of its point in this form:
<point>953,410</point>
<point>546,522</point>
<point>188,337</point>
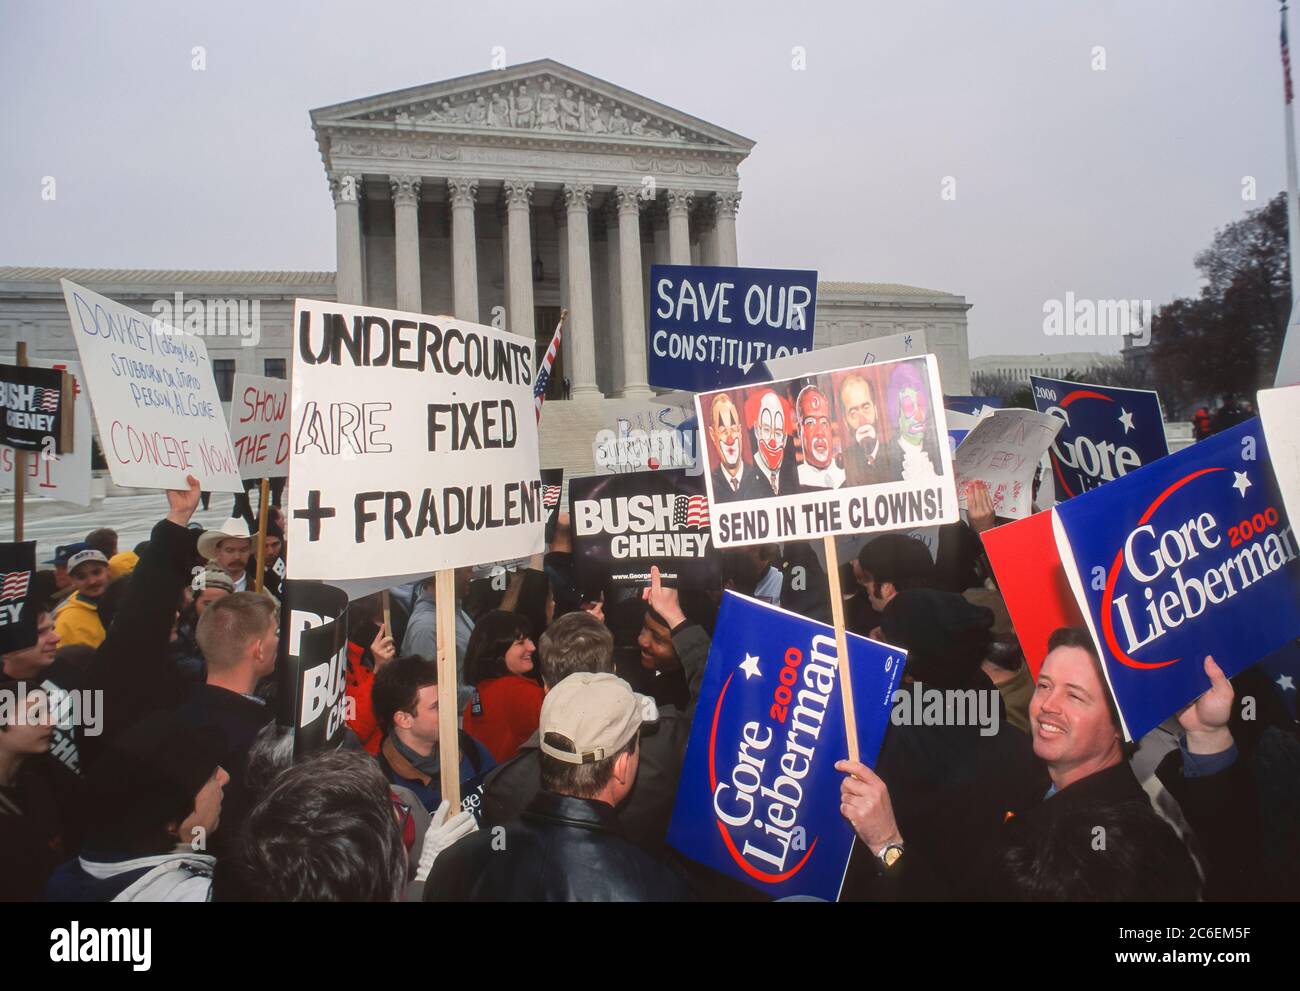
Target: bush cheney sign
<point>709,325</point>
<point>65,477</point>
<point>759,798</point>
<point>155,400</point>
<point>312,676</point>
<point>625,524</point>
<point>31,404</point>
<point>846,451</point>
<point>414,444</point>
<point>1108,432</point>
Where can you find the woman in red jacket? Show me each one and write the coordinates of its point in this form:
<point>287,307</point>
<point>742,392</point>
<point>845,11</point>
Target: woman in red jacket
<point>507,702</point>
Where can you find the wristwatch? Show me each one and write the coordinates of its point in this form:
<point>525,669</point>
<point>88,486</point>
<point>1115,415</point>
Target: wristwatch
<point>888,857</point>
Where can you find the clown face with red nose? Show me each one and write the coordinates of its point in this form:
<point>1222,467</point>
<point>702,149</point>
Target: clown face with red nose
<point>768,421</point>
<point>818,470</point>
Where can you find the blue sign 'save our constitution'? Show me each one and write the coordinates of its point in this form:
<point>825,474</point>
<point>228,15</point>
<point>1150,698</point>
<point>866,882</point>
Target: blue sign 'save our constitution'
<point>759,798</point>
<point>1108,432</point>
<point>1189,556</point>
<point>709,325</point>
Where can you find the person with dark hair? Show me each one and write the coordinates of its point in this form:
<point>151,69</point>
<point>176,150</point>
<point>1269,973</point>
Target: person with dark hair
<point>326,830</point>
<point>1084,773</point>
<point>405,700</point>
<point>39,667</point>
<point>154,801</point>
<point>567,846</point>
<point>103,540</point>
<point>507,699</point>
<point>1004,663</point>
<point>893,563</point>
<point>41,801</point>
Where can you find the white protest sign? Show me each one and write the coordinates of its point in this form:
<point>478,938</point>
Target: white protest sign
<point>259,425</point>
<point>1003,451</point>
<point>854,450</point>
<point>414,444</point>
<point>155,400</point>
<point>1279,412</point>
<point>65,477</point>
<point>869,352</point>
<point>646,434</point>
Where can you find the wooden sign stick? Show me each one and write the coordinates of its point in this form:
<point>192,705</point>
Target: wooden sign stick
<point>20,461</point>
<point>842,647</point>
<point>448,729</point>
<point>262,508</point>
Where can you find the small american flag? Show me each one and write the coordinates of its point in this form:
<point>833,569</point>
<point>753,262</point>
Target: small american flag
<point>13,585</point>
<point>1286,59</point>
<point>47,400</point>
<point>550,496</point>
<point>691,511</point>
<point>543,377</point>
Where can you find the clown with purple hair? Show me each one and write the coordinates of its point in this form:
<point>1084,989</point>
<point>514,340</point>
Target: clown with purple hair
<point>915,443</point>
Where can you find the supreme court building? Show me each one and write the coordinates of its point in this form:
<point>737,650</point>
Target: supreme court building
<point>502,197</point>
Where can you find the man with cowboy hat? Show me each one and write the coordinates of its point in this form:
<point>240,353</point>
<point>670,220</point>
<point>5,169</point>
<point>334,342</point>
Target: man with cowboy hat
<point>229,549</point>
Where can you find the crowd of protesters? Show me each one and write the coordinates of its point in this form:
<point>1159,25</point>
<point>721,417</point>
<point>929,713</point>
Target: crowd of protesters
<point>574,715</point>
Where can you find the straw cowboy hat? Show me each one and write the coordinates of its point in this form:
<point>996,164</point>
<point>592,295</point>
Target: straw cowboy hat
<point>235,528</point>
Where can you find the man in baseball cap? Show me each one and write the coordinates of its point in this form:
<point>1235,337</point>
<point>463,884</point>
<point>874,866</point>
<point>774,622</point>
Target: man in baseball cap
<point>77,620</point>
<point>567,845</point>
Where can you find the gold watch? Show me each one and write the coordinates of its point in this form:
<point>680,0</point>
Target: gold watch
<point>889,856</point>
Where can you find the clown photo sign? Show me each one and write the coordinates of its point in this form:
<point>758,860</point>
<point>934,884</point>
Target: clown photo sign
<point>847,451</point>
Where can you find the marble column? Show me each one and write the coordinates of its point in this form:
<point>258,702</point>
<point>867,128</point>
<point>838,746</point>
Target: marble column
<point>581,328</point>
<point>629,277</point>
<point>346,190</point>
<point>706,223</point>
<point>726,206</point>
<point>614,318</point>
<point>462,194</point>
<point>406,231</point>
<point>679,225</point>
<point>562,271</point>
<point>518,196</point>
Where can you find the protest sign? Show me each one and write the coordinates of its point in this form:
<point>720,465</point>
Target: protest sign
<point>709,325</point>
<point>1107,431</point>
<point>312,673</point>
<point>259,426</point>
<point>65,477</point>
<point>868,352</point>
<point>851,450</point>
<point>155,400</point>
<point>552,490</point>
<point>1003,451</point>
<point>971,405</point>
<point>17,617</point>
<point>625,524</point>
<point>759,797</point>
<point>648,434</point>
<point>413,450</point>
<point>1189,556</point>
<point>1032,581</point>
<point>31,408</point>
<point>1279,415</point>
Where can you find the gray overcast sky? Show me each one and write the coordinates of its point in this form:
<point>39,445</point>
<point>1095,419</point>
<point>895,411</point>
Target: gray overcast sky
<point>1104,183</point>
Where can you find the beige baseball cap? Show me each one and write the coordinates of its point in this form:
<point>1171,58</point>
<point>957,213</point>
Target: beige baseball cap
<point>598,712</point>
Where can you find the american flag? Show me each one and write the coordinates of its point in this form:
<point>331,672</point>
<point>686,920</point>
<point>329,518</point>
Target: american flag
<point>1286,59</point>
<point>543,377</point>
<point>13,585</point>
<point>692,511</point>
<point>47,400</point>
<point>550,496</point>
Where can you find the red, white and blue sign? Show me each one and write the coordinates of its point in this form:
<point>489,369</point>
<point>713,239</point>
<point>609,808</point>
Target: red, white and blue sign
<point>759,798</point>
<point>1189,556</point>
<point>1108,432</point>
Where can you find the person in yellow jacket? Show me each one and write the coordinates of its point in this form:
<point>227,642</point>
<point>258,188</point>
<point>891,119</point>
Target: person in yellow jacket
<point>77,620</point>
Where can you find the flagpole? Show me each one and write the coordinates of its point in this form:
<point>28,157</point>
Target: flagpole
<point>1288,365</point>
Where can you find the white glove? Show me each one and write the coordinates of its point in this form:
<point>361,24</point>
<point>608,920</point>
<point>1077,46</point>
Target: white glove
<point>444,830</point>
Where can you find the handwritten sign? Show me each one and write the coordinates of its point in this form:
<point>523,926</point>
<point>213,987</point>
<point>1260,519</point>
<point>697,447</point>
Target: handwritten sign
<point>259,426</point>
<point>155,399</point>
<point>1003,451</point>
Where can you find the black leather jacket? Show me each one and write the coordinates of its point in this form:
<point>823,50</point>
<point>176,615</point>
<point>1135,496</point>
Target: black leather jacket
<point>561,849</point>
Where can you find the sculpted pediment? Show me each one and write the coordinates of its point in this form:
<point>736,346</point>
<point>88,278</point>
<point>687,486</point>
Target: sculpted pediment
<point>539,98</point>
